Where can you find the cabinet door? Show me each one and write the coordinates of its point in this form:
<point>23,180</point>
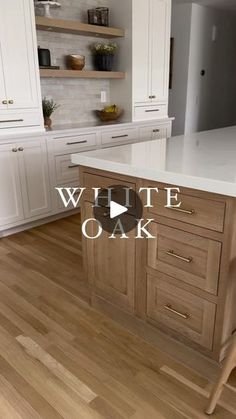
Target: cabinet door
<point>19,53</point>
<point>11,208</point>
<point>141,51</point>
<point>111,265</point>
<point>160,48</point>
<point>35,178</point>
<point>3,95</point>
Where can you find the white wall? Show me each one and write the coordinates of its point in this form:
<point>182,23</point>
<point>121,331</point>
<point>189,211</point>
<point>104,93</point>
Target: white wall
<point>210,99</point>
<point>181,26</point>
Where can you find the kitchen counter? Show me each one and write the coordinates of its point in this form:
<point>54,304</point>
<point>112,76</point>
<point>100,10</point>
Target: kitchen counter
<point>204,161</point>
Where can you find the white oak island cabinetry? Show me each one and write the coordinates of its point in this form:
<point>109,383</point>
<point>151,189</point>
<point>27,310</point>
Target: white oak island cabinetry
<point>183,280</point>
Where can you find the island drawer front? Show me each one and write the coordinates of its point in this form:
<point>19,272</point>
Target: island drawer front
<point>155,132</point>
<point>200,212</point>
<point>120,136</point>
<point>65,170</point>
<point>187,257</point>
<point>186,314</point>
<point>96,181</point>
<point>143,113</point>
<point>74,143</point>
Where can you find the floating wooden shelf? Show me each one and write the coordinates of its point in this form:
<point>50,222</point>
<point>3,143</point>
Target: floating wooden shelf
<point>77,28</point>
<point>82,74</point>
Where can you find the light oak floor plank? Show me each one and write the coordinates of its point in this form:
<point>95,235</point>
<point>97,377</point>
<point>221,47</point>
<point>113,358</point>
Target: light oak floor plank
<point>60,358</point>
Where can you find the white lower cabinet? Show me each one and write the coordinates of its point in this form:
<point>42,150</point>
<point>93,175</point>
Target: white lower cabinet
<point>11,204</point>
<point>24,182</point>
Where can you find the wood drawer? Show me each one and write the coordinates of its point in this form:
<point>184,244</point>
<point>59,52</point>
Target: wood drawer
<point>73,143</point>
<point>65,170</point>
<point>185,256</point>
<point>96,181</point>
<point>200,212</point>
<point>186,314</point>
<point>120,136</point>
<point>143,113</point>
<point>154,132</point>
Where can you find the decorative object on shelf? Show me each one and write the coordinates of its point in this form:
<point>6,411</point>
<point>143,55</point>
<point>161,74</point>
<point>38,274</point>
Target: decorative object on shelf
<point>75,62</point>
<point>46,4</point>
<point>110,113</point>
<point>104,56</point>
<point>44,56</point>
<point>98,16</point>
<point>49,106</point>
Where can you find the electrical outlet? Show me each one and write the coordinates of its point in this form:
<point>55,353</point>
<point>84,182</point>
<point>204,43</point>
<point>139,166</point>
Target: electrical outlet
<point>103,96</point>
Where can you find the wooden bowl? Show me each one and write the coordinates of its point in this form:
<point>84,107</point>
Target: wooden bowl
<point>109,116</point>
<point>75,62</point>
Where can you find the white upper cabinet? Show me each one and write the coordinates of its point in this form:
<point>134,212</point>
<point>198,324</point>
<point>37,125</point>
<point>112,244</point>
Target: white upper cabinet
<point>19,73</point>
<point>151,49</point>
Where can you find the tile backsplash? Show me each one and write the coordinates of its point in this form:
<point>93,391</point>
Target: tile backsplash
<point>78,98</point>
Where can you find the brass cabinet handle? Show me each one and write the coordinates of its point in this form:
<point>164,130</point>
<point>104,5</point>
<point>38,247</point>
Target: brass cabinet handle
<point>14,150</point>
<point>152,97</point>
<point>152,110</point>
<point>155,130</point>
<point>77,142</point>
<point>184,211</point>
<point>185,316</point>
<point>20,149</point>
<point>4,102</point>
<point>10,102</point>
<point>176,256</point>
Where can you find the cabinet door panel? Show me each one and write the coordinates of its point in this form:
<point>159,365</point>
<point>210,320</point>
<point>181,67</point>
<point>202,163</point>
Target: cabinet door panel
<point>160,45</point>
<point>3,95</point>
<point>111,267</point>
<point>141,55</point>
<point>18,53</point>
<point>11,209</point>
<point>35,178</point>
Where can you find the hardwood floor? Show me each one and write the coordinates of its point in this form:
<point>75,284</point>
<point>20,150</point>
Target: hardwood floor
<point>59,358</point>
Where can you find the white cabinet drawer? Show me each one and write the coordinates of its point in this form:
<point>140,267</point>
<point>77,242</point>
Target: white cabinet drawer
<point>65,170</point>
<point>73,143</point>
<point>120,136</point>
<point>155,132</point>
<point>143,113</point>
<point>18,120</point>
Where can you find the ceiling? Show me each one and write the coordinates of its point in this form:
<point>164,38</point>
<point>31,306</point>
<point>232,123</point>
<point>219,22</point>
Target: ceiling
<point>221,4</point>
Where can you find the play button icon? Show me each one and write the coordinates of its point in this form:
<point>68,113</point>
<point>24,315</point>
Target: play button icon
<point>116,209</point>
<point>118,205</point>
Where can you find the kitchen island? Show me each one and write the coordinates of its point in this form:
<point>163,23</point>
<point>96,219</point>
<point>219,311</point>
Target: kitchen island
<point>182,280</point>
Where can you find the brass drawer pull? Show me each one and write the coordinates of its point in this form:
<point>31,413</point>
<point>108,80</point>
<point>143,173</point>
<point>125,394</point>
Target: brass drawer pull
<point>175,255</point>
<point>119,136</point>
<point>11,102</point>
<point>77,142</point>
<point>4,102</point>
<point>185,316</point>
<point>152,110</point>
<point>184,211</point>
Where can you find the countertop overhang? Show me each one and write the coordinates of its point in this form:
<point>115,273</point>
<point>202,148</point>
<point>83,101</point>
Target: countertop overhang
<point>204,161</point>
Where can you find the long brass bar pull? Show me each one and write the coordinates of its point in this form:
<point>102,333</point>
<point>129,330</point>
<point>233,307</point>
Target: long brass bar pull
<point>184,211</point>
<point>176,256</point>
<point>185,316</point>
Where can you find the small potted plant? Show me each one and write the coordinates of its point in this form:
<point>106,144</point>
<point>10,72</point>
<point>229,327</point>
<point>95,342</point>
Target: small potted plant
<point>104,56</point>
<point>49,106</point>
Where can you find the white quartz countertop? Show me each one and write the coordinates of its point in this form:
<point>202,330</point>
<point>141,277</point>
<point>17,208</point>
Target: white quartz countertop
<point>205,161</point>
